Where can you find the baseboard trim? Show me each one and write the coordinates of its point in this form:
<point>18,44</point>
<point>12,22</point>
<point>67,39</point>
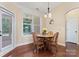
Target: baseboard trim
<point>3,53</point>
<point>71,42</point>
<point>29,47</point>
<point>23,44</point>
<point>62,44</point>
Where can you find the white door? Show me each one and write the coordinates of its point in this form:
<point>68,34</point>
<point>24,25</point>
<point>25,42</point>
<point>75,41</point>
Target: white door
<point>6,41</point>
<point>72,29</point>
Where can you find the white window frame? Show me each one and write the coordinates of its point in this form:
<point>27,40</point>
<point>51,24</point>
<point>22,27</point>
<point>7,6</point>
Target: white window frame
<point>30,17</point>
<point>33,24</point>
<point>13,29</point>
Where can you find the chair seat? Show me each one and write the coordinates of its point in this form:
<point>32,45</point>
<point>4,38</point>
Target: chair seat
<point>39,42</point>
<point>41,46</point>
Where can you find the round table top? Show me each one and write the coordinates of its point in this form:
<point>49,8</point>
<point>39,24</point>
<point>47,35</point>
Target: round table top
<point>44,36</point>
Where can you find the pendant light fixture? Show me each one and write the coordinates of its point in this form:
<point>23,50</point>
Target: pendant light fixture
<point>48,15</point>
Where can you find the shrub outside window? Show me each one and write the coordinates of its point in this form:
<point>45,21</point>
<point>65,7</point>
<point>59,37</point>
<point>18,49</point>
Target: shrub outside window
<point>27,26</point>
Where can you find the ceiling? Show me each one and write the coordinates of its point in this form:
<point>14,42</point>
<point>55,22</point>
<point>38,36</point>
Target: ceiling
<point>38,6</point>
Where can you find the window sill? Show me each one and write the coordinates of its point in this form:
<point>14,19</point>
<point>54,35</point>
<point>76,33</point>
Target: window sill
<point>26,35</point>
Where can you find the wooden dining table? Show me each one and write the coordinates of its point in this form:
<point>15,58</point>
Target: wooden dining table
<point>45,39</point>
<point>44,36</point>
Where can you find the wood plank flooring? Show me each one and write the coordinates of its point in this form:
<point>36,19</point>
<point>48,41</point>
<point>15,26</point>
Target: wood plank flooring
<point>26,51</point>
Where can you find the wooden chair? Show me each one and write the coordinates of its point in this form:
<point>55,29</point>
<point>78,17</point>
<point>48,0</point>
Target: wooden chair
<point>50,33</point>
<point>37,43</point>
<point>48,39</point>
<point>53,42</point>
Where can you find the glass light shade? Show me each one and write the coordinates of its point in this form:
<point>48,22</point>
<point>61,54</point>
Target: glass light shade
<point>49,15</point>
<point>45,16</point>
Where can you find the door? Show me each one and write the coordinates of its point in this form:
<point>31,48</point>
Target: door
<point>72,29</point>
<point>6,40</point>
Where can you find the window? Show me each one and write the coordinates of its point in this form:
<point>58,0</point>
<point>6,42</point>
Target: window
<point>36,22</point>
<point>27,26</point>
<point>30,25</point>
<point>5,23</point>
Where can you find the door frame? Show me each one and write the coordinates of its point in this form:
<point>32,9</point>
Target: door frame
<point>13,30</point>
<point>66,26</point>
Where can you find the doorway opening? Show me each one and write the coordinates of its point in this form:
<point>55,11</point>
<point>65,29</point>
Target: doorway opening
<point>72,20</point>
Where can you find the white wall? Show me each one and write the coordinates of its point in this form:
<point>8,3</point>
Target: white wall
<point>20,38</point>
<point>58,16</point>
<point>59,20</point>
<point>19,12</point>
<point>27,39</point>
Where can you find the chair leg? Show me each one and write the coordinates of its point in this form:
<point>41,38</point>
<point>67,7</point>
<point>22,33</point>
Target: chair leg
<point>35,50</point>
<point>56,50</point>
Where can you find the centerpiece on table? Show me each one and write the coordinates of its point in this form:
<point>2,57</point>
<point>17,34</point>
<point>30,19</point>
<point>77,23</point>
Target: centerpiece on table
<point>44,31</point>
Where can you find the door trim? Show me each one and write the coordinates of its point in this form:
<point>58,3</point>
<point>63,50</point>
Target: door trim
<point>66,27</point>
<point>13,29</point>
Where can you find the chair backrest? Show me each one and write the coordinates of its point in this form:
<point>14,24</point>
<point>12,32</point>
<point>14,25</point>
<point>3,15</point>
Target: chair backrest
<point>56,37</point>
<point>34,37</point>
<point>50,33</point>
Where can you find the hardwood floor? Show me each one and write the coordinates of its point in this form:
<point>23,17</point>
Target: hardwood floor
<point>71,49</point>
<point>26,51</point>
